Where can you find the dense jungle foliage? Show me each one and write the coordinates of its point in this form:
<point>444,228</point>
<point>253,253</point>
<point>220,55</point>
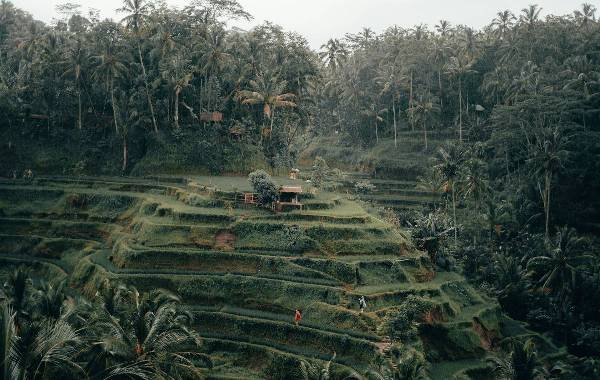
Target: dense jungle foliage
<point>518,103</point>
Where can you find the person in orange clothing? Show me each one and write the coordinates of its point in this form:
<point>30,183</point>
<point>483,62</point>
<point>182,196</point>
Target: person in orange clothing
<point>297,317</point>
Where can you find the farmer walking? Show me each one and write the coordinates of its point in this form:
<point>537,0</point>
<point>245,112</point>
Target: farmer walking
<point>362,304</point>
<point>297,317</point>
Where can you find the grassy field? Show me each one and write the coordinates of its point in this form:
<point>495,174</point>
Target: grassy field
<point>243,271</point>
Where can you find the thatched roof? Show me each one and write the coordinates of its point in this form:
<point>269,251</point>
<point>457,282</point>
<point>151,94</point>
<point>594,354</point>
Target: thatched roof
<point>290,189</point>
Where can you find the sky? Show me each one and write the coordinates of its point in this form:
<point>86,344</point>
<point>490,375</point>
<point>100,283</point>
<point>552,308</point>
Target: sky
<point>319,20</point>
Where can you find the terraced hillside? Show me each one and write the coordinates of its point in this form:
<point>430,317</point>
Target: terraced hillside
<point>393,170</point>
<point>243,271</point>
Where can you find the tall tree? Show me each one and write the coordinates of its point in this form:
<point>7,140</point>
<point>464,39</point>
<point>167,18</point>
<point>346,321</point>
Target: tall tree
<point>137,14</point>
<point>269,92</point>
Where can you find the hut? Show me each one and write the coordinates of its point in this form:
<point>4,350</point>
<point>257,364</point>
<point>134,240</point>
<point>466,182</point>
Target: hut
<point>211,116</point>
<point>288,198</point>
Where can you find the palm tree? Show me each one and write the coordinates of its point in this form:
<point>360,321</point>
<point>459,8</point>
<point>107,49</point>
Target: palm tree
<point>556,269</point>
<point>458,67</point>
<point>177,71</point>
<point>443,27</point>
<point>586,16</point>
<point>530,15</point>
<point>450,161</point>
<point>424,110</point>
<point>475,185</point>
<point>76,59</point>
<point>520,364</point>
<point>494,85</point>
<point>438,54</point>
<point>49,300</point>
<point>110,67</point>
<point>9,367</point>
<point>214,57</point>
<point>503,23</point>
<point>526,83</point>
<point>389,78</point>
<point>410,365</point>
<point>582,75</point>
<point>141,335</point>
<point>375,114</point>
<point>18,289</point>
<point>546,157</point>
<point>509,280</point>
<point>333,53</point>
<point>137,14</point>
<point>269,92</point>
<point>38,350</point>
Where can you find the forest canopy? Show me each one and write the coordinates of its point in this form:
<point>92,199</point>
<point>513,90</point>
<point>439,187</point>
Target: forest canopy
<point>512,191</point>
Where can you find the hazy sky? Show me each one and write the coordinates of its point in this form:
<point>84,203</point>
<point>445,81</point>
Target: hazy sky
<point>319,20</point>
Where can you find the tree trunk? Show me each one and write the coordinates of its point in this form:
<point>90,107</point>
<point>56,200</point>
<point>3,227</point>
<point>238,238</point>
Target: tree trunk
<point>176,110</point>
<point>112,102</point>
<point>147,88</point>
<point>79,105</point>
<point>454,214</point>
<point>395,127</point>
<point>124,153</point>
<point>410,100</point>
<point>547,189</point>
<point>460,109</point>
<point>271,127</point>
<point>376,131</point>
<point>425,132</point>
<point>440,84</point>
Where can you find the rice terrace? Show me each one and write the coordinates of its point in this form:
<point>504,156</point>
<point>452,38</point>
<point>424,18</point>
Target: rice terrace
<point>189,193</point>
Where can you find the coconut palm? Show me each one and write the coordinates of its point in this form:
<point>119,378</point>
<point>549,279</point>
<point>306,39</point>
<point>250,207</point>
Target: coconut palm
<point>475,184</point>
<point>582,75</point>
<point>443,27</point>
<point>520,364</point>
<point>547,155</point>
<point>178,72</point>
<point>556,269</point>
<point>18,289</point>
<point>423,111</point>
<point>145,335</point>
<point>389,78</point>
<point>37,350</point>
<point>269,92</point>
<point>450,160</point>
<point>137,14</point>
<point>585,16</point>
<point>49,299</point>
<point>503,23</point>
<point>530,16</point>
<point>458,67</point>
<point>333,53</point>
<point>74,64</point>
<point>374,113</point>
<point>110,67</point>
<point>214,59</point>
<point>410,365</point>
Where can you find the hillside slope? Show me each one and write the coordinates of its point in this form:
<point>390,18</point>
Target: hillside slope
<point>243,271</point>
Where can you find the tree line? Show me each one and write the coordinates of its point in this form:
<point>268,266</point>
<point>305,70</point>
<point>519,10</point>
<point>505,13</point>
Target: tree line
<point>152,81</point>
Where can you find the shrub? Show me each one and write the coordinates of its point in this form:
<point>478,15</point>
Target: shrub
<point>364,187</point>
<point>319,171</point>
<point>402,324</point>
<point>287,367</point>
<point>263,185</point>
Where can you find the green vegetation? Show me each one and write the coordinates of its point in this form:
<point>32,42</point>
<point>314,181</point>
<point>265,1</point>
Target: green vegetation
<point>448,176</point>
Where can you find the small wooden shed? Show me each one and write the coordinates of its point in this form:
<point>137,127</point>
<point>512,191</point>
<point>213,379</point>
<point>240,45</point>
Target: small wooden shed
<point>288,198</point>
<point>211,116</point>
